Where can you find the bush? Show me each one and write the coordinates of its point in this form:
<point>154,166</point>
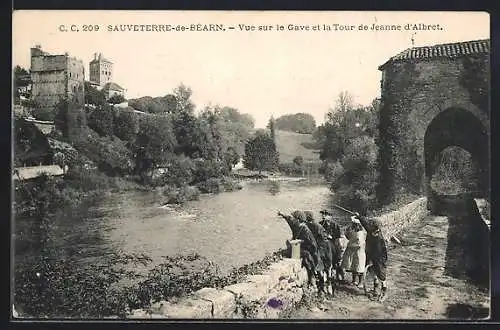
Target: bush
<point>211,185</point>
<point>180,195</point>
<point>180,172</point>
<point>231,185</point>
<point>355,177</point>
<point>44,114</point>
<point>207,169</point>
<point>290,169</point>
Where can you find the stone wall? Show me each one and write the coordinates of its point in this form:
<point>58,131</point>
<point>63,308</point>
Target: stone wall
<point>263,296</point>
<point>395,221</point>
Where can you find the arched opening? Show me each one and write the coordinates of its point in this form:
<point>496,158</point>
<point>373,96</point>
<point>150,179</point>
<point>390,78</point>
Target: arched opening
<point>460,129</point>
<point>456,151</point>
<point>457,172</point>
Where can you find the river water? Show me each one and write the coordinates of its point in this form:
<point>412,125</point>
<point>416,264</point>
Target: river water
<point>230,229</point>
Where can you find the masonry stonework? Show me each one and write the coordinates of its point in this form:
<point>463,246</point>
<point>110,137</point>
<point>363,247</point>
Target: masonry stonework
<point>55,77</point>
<point>424,86</point>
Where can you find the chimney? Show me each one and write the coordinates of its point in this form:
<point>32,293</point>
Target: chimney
<point>95,56</point>
<point>100,54</point>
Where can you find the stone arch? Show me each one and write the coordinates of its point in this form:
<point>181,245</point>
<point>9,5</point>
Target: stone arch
<point>457,127</point>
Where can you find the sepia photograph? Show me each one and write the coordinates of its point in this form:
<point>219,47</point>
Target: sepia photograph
<point>250,165</point>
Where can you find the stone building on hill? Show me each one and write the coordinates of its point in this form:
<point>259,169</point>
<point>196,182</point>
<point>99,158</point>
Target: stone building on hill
<point>100,71</point>
<point>101,76</point>
<point>111,89</point>
<point>55,77</point>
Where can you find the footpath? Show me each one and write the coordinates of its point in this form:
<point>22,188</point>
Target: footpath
<point>418,281</point>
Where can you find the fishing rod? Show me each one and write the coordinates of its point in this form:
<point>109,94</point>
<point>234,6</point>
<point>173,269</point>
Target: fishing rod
<point>345,210</point>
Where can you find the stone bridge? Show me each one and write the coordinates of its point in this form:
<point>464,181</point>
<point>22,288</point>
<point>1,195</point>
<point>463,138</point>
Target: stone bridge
<point>433,98</point>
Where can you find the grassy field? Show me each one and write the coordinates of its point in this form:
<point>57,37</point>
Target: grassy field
<point>292,144</point>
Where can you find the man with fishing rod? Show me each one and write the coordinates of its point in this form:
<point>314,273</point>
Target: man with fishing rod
<point>376,250</point>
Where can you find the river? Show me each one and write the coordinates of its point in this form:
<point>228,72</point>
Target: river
<point>231,229</point>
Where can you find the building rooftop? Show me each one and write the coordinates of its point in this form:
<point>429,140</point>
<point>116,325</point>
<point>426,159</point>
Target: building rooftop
<point>449,50</point>
<point>113,86</point>
<point>100,58</point>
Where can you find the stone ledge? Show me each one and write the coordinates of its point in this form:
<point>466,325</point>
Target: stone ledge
<point>223,301</point>
<point>188,308</point>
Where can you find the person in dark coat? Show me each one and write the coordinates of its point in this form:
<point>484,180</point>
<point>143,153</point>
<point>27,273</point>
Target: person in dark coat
<point>308,248</point>
<point>292,222</point>
<point>322,239</point>
<point>376,252</point>
<point>335,231</point>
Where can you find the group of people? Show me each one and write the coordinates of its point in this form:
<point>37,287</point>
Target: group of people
<point>326,247</point>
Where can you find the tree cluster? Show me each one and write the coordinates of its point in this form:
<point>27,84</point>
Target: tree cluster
<point>303,123</point>
<point>349,152</point>
<point>189,148</point>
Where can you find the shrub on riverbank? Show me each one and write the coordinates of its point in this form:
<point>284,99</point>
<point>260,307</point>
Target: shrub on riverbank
<point>46,287</point>
<point>180,195</point>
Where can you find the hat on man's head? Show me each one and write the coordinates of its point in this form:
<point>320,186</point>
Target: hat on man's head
<point>299,215</point>
<point>355,220</point>
<point>375,223</point>
<point>309,215</point>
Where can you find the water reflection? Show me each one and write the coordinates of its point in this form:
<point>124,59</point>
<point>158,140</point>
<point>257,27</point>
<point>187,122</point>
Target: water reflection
<point>274,187</point>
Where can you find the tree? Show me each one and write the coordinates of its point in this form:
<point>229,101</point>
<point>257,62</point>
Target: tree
<point>343,124</point>
<point>270,126</point>
<point>22,80</point>
<point>155,142</point>
<point>260,153</point>
<point>231,158</point>
<point>126,125</point>
<point>188,134</point>
<point>183,94</point>
<point>94,96</point>
<point>354,178</point>
<point>303,123</point>
<point>116,99</point>
<point>156,105</point>
<point>101,120</point>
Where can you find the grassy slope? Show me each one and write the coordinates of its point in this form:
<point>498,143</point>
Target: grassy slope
<point>290,145</point>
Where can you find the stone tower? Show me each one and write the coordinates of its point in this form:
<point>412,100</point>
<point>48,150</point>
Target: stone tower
<point>101,70</point>
<point>55,77</point>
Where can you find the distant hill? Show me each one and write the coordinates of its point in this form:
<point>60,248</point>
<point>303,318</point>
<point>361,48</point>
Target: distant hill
<point>292,144</point>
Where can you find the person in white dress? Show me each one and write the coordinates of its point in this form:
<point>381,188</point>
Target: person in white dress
<point>354,258</point>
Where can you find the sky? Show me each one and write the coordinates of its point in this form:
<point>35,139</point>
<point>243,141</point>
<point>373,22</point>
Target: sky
<point>263,73</point>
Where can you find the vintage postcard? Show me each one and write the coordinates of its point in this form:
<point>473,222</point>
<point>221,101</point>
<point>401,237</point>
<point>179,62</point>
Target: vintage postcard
<point>251,165</point>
